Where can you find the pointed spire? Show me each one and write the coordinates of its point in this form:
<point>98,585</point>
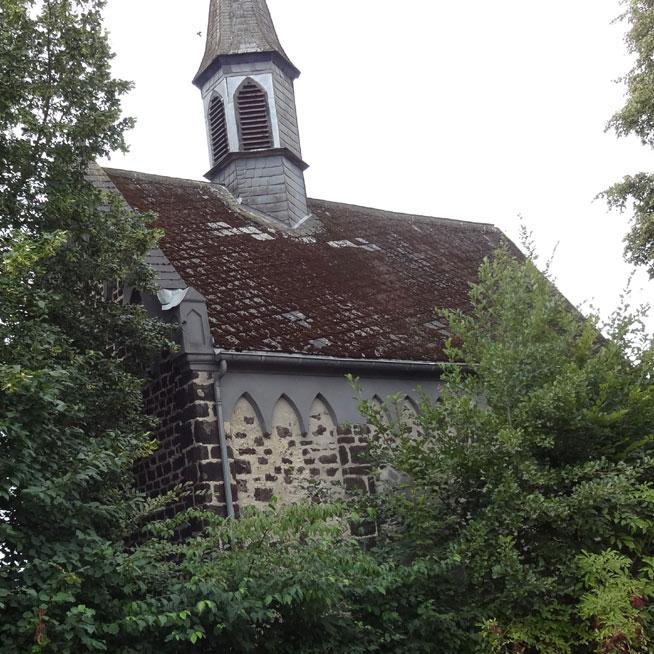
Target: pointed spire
<point>238,27</point>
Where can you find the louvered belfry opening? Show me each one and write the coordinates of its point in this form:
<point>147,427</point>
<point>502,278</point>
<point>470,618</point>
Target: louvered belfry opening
<point>253,118</point>
<point>218,129</point>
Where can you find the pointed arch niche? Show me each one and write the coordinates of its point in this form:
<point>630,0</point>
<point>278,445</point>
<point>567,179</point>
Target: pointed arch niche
<point>246,437</point>
<point>285,469</point>
<point>253,116</point>
<point>377,404</point>
<point>410,416</point>
<point>321,453</point>
<point>267,465</point>
<point>399,412</point>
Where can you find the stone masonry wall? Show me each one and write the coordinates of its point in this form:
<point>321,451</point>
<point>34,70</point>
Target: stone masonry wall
<point>182,400</point>
<point>290,464</point>
<point>295,459</point>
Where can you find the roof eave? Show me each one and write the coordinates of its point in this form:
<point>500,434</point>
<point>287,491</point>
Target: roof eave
<point>209,70</point>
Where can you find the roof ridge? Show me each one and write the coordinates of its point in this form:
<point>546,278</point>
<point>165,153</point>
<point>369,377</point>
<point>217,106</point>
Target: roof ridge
<point>125,171</point>
<point>474,224</point>
<point>226,196</point>
<point>466,224</point>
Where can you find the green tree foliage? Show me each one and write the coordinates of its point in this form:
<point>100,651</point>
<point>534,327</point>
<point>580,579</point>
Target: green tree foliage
<point>71,424</point>
<point>524,505</point>
<point>522,518</point>
<point>289,579</point>
<point>637,118</point>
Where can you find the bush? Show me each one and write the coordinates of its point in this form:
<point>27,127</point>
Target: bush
<point>527,498</point>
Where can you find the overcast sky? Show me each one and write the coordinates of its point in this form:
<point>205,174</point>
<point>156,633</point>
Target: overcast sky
<point>475,110</point>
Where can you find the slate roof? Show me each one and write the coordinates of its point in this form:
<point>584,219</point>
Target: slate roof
<point>353,282</point>
<point>166,275</point>
<point>239,27</point>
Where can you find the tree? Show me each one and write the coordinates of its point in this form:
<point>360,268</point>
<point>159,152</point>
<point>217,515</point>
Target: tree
<point>637,117</point>
<point>526,501</point>
<point>280,580</point>
<point>525,510</point>
<point>71,423</point>
<point>73,577</point>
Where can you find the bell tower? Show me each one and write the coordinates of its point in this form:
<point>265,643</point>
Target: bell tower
<point>246,80</point>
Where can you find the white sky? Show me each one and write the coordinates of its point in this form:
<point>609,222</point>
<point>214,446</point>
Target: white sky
<point>475,110</point>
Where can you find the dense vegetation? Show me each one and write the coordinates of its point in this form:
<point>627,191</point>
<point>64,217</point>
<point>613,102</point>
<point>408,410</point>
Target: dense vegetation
<point>522,518</point>
<point>71,422</point>
<point>636,192</point>
<point>528,500</point>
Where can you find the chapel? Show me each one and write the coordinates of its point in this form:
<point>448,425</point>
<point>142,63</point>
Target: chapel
<point>278,297</point>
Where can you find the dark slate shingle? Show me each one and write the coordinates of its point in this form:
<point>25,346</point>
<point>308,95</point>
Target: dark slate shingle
<point>358,282</point>
<point>239,27</point>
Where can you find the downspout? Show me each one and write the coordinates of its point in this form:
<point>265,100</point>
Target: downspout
<point>227,475</point>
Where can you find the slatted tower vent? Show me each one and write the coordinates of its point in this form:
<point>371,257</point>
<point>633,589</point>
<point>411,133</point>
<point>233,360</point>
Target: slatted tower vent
<point>253,119</point>
<point>218,129</point>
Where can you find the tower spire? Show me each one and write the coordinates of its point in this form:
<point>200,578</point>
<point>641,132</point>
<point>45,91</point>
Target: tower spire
<point>246,80</point>
<point>240,27</point>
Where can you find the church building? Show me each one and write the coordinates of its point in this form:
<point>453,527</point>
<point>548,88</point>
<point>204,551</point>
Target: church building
<point>279,296</point>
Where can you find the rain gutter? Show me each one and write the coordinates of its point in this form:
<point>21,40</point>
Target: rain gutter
<point>324,364</point>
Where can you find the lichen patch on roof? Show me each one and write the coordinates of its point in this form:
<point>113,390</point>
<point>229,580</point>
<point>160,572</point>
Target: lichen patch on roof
<point>365,284</point>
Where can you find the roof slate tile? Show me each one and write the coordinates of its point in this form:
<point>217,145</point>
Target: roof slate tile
<point>374,299</point>
<point>239,27</point>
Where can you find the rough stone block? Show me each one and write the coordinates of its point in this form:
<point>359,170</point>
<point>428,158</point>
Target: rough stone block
<point>181,398</point>
<point>204,393</point>
<point>343,455</point>
<point>361,471</point>
<point>196,411</point>
<point>242,467</point>
<point>211,471</point>
<point>186,435</point>
<point>263,494</point>
<point>359,454</point>
<point>197,454</point>
<point>190,473</point>
<point>206,432</point>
